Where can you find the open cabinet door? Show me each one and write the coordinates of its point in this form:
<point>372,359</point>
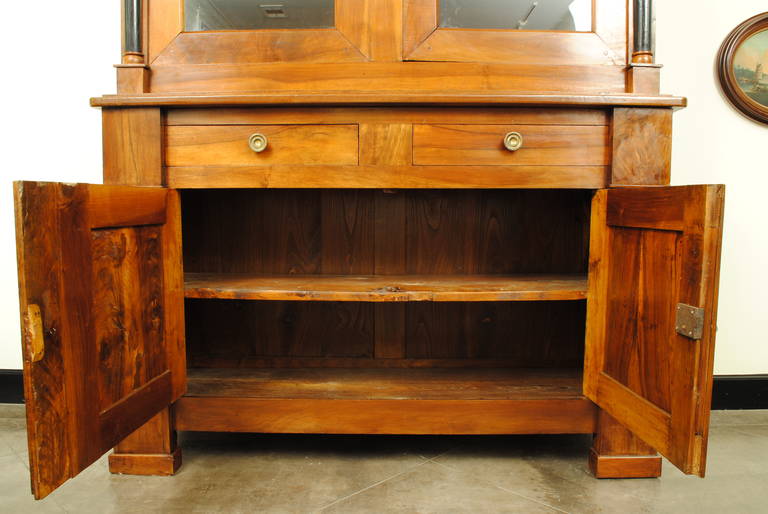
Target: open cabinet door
<point>652,304</point>
<point>101,290</point>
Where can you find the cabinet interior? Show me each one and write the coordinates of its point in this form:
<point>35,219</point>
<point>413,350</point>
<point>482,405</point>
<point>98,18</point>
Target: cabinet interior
<point>309,293</point>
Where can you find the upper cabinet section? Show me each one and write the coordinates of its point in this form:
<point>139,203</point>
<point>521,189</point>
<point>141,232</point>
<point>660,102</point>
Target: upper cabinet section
<point>241,46</point>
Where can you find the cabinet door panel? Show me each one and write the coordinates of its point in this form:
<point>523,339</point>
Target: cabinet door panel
<point>101,290</point>
<point>653,248</point>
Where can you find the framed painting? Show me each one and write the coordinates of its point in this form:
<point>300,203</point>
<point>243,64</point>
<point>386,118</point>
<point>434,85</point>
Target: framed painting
<point>743,67</point>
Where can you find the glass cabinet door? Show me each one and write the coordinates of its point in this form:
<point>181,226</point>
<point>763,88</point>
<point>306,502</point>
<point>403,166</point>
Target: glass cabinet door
<point>561,15</point>
<point>204,32</point>
<point>205,15</point>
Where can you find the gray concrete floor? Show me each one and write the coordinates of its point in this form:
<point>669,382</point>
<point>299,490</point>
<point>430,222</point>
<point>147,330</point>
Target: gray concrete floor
<point>358,474</point>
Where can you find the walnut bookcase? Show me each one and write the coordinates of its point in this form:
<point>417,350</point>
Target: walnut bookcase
<point>383,263</point>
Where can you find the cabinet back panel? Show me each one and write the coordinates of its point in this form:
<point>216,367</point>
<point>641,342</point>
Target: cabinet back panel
<point>236,333</point>
<point>378,232</point>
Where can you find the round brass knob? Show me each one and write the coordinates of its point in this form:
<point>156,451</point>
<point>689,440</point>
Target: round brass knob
<point>513,141</point>
<point>258,142</point>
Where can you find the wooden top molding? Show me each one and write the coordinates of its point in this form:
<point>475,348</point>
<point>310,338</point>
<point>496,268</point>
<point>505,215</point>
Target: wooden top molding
<point>387,98</point>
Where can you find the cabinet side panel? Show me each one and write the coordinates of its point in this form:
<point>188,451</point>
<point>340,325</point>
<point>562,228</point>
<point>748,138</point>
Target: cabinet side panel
<point>132,140</point>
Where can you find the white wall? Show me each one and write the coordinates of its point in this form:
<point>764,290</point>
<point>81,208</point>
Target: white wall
<point>56,55</point>
<point>65,55</point>
<point>714,143</point>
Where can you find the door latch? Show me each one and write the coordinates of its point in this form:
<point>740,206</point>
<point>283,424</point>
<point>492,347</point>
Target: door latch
<point>689,321</point>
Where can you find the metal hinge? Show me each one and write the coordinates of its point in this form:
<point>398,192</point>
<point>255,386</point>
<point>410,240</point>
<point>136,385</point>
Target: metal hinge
<point>689,321</point>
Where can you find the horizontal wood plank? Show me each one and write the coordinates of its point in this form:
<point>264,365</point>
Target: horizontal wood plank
<point>388,177</point>
<point>386,288</point>
<point>657,208</point>
<point>395,115</point>
<point>296,416</point>
<point>387,384</point>
<point>116,206</point>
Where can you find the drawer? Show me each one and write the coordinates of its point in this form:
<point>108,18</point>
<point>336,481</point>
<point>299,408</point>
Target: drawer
<point>564,145</point>
<point>228,145</point>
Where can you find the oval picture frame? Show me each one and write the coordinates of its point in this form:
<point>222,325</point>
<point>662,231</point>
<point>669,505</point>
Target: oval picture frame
<point>744,85</point>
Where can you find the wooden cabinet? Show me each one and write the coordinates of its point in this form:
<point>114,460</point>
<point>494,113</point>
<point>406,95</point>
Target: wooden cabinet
<point>435,256</point>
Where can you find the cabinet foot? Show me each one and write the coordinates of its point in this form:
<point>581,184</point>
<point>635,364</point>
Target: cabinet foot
<point>145,464</point>
<point>150,450</point>
<point>618,453</point>
<point>624,466</point>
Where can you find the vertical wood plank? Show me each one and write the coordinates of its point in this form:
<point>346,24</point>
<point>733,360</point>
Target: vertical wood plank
<point>347,225</point>
<point>38,239</point>
<point>386,144</point>
<point>173,301</point>
<point>385,20</point>
<point>420,20</point>
<point>390,259</point>
<point>597,294</point>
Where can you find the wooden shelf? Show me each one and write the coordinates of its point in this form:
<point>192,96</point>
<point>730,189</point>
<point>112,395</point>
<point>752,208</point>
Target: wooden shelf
<point>385,288</point>
<point>386,401</point>
<point>386,384</point>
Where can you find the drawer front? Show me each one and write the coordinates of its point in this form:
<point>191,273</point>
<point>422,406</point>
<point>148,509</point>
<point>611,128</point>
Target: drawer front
<point>563,145</point>
<point>228,145</point>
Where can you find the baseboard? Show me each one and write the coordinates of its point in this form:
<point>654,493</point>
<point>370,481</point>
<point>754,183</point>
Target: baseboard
<point>740,392</point>
<point>729,391</point>
<point>11,386</point>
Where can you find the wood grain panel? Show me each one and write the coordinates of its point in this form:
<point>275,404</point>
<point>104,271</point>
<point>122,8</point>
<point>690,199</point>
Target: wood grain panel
<point>527,334</point>
<point>641,308</point>
<point>484,145</point>
<point>132,145</point>
<point>239,330</point>
<point>389,144</point>
<point>387,76</point>
<point>260,46</point>
<point>642,146</point>
<point>128,302</point>
<point>288,144</point>
<point>530,47</point>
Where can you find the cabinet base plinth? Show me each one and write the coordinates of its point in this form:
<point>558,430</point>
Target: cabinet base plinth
<point>624,466</point>
<point>145,464</point>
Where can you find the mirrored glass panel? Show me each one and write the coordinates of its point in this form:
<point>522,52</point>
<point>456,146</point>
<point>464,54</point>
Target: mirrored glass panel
<point>202,15</point>
<point>565,15</point>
